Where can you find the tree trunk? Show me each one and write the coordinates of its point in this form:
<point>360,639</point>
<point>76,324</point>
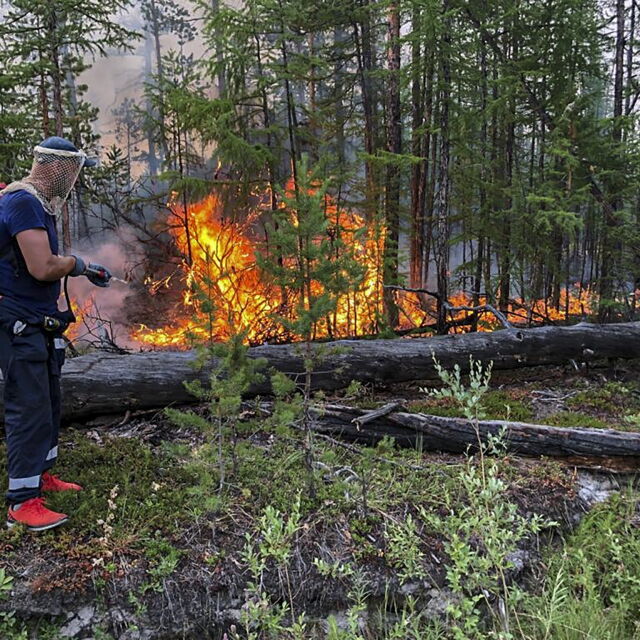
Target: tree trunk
<point>416,249</point>
<point>458,435</point>
<point>506,249</point>
<point>341,42</point>
<point>155,31</point>
<point>442,200</point>
<point>427,186</point>
<point>292,118</point>
<point>44,100</point>
<point>81,230</point>
<point>610,244</point>
<point>215,8</point>
<point>394,147</point>
<point>55,73</point>
<point>481,225</point>
<point>366,67</point>
<point>104,383</point>
<point>152,158</point>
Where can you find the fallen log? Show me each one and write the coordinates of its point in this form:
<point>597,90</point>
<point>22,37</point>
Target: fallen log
<point>458,435</point>
<point>102,383</point>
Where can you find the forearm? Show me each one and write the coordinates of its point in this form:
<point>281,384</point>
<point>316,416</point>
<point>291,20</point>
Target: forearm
<point>55,268</point>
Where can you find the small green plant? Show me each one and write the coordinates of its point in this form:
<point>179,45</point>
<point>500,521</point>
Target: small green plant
<point>6,584</point>
<point>468,398</point>
<point>633,420</point>
<point>404,549</point>
<point>275,535</point>
<point>11,628</point>
<point>480,537</point>
<point>163,558</point>
<point>357,597</point>
<point>482,529</point>
<point>335,570</point>
<point>591,588</point>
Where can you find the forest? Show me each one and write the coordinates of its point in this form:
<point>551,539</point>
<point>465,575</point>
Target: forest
<point>483,152</point>
<point>368,366</point>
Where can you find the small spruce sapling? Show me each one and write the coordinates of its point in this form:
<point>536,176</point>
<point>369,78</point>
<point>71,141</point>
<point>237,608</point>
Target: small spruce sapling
<point>233,376</point>
<point>228,382</point>
<point>310,262</point>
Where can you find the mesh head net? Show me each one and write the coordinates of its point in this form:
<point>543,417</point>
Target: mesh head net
<point>53,174</point>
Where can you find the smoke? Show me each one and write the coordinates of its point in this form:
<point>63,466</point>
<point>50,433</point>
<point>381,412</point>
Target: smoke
<point>102,311</point>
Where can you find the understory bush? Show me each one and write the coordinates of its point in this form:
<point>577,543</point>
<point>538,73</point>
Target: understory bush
<point>592,586</point>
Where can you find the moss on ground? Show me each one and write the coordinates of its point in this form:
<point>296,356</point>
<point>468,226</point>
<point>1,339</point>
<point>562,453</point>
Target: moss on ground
<point>145,484</point>
<point>496,404</point>
<point>610,398</point>
<point>576,419</point>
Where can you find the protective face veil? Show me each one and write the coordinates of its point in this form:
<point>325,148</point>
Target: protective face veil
<point>56,166</point>
<point>53,174</point>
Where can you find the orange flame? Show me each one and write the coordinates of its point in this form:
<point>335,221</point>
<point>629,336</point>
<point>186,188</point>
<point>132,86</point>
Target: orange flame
<point>225,290</point>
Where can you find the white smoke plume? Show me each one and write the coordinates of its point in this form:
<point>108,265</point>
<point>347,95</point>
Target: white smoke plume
<point>102,316</point>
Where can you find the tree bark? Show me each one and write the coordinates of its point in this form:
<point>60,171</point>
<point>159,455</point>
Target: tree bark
<point>394,147</point>
<point>610,244</point>
<point>155,32</point>
<point>105,383</point>
<point>363,40</point>
<point>418,80</point>
<point>458,435</point>
<point>442,200</point>
<point>220,79</point>
<point>152,158</point>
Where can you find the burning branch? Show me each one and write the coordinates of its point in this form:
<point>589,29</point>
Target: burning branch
<point>453,309</point>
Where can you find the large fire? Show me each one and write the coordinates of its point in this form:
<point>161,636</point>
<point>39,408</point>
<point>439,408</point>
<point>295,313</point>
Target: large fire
<point>224,290</point>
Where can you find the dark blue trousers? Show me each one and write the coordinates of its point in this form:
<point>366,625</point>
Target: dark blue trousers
<point>30,364</point>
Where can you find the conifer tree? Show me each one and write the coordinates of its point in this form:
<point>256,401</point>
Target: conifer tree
<point>46,45</point>
<point>311,262</point>
<point>162,17</point>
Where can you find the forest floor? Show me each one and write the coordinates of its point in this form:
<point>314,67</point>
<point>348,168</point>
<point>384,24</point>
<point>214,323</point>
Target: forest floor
<point>154,549</point>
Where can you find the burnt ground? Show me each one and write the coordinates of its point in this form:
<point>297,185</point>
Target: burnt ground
<point>155,549</point>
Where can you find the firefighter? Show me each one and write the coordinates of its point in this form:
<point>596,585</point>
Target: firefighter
<point>31,326</point>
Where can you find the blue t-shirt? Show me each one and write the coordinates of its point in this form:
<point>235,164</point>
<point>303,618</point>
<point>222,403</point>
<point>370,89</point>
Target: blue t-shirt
<point>20,291</point>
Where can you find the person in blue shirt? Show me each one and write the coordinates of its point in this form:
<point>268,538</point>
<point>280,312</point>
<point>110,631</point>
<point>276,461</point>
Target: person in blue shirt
<point>31,326</point>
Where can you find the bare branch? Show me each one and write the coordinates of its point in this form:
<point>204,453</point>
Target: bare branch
<point>449,307</point>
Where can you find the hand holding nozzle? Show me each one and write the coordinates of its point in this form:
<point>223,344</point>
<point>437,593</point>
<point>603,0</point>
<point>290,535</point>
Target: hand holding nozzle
<point>96,273</point>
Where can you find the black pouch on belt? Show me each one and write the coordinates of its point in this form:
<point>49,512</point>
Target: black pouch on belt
<point>59,322</point>
<point>15,324</point>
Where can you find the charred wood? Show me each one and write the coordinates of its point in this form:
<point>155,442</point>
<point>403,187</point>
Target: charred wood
<point>458,435</point>
<point>102,383</point>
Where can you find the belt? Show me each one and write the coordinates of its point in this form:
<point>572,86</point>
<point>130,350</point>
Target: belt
<point>49,324</point>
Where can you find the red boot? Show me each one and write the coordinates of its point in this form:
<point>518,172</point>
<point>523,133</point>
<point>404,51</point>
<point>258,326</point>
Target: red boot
<point>53,483</point>
<point>35,515</point>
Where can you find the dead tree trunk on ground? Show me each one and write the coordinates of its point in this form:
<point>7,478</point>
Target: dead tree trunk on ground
<point>458,435</point>
<point>102,383</point>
